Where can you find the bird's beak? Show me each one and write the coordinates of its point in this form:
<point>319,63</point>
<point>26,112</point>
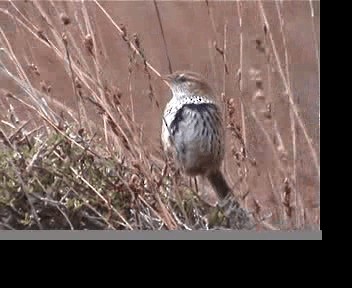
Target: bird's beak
<point>166,79</point>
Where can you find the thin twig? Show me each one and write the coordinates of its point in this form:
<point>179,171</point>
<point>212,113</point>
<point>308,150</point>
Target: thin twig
<point>298,200</point>
<point>163,36</point>
<point>102,198</point>
<point>130,43</point>
<point>289,91</point>
<point>56,204</point>
<point>74,86</point>
<point>317,50</point>
<point>240,74</point>
<point>86,203</point>
<point>25,191</point>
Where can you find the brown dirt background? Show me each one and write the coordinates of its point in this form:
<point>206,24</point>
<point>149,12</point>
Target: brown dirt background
<point>189,35</point>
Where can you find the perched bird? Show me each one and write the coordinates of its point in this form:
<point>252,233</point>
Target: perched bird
<point>193,129</point>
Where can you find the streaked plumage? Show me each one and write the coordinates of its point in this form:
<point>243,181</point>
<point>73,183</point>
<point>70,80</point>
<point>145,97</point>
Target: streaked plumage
<point>193,131</point>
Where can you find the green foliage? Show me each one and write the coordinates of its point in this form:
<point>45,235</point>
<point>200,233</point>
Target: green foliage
<point>55,184</point>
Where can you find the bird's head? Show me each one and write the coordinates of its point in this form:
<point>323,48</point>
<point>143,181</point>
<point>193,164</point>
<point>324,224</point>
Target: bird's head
<point>185,83</point>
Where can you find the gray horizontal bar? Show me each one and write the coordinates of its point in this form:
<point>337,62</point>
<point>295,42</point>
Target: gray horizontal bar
<point>158,235</point>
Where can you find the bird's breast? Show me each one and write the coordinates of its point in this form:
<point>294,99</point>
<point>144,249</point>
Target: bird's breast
<point>176,108</point>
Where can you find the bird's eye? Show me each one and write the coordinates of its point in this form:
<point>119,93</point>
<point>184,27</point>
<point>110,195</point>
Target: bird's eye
<point>181,78</point>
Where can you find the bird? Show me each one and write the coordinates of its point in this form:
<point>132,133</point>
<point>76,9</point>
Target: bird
<point>193,129</point>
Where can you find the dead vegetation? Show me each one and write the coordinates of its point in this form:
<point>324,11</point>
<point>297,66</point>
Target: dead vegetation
<point>60,169</point>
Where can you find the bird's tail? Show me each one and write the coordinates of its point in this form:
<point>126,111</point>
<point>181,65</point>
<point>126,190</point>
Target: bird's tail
<point>219,184</point>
